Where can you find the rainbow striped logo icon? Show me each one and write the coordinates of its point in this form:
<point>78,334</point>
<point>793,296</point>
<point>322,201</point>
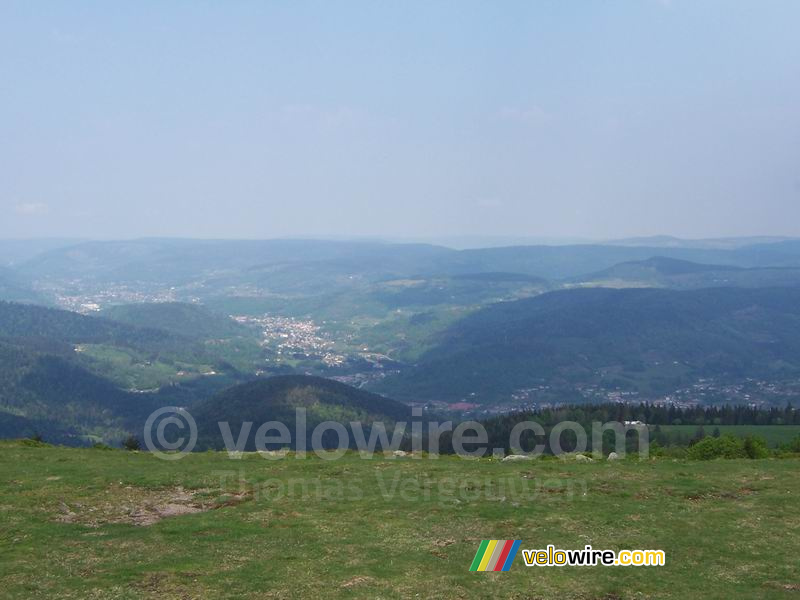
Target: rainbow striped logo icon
<point>495,555</point>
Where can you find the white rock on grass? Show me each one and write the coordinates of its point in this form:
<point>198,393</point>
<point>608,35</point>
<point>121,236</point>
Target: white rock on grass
<point>513,457</point>
<point>583,458</point>
<point>613,456</point>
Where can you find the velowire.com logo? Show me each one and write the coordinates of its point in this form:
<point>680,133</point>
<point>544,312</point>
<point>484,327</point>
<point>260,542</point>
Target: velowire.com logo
<point>495,555</point>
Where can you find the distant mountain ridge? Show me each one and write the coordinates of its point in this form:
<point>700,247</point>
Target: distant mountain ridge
<point>179,261</point>
<point>669,241</point>
<point>661,271</point>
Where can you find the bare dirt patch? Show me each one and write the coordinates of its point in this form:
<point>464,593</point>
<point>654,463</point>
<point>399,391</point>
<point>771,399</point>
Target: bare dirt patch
<point>358,580</point>
<point>141,506</point>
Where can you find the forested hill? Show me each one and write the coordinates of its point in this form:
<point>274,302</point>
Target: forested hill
<point>188,320</point>
<point>627,337</point>
<point>48,383</point>
<point>277,398</point>
<point>30,321</point>
<point>15,287</point>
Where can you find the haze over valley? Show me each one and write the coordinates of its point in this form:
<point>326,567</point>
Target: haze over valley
<point>469,332</point>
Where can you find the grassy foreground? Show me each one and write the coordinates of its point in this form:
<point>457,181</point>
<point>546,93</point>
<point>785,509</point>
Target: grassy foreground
<point>80,523</point>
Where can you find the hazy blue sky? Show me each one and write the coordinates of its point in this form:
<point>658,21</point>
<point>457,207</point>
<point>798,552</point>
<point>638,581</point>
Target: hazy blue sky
<point>263,119</point>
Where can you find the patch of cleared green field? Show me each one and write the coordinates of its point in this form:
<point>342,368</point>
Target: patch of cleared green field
<point>243,353</point>
<point>772,434</point>
<point>79,523</point>
<point>405,335</point>
<point>133,370</point>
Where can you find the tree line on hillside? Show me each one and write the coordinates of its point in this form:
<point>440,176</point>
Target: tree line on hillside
<point>653,414</point>
<point>499,428</point>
